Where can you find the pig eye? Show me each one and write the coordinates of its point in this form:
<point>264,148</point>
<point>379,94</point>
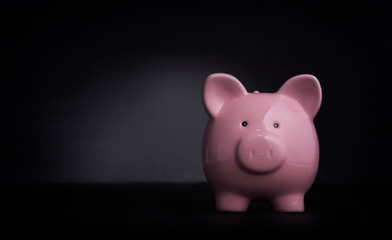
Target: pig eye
<point>244,123</point>
<point>276,125</point>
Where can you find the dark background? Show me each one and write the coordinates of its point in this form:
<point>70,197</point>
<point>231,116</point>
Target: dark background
<point>110,93</point>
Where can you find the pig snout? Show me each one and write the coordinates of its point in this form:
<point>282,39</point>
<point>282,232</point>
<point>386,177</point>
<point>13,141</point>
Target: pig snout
<point>260,154</point>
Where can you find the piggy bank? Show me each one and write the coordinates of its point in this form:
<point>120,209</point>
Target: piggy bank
<point>260,145</point>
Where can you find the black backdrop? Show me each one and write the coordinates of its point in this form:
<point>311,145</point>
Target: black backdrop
<point>112,93</point>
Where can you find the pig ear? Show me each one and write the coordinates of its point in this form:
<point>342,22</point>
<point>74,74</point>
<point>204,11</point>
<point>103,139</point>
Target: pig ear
<point>306,90</point>
<point>219,88</point>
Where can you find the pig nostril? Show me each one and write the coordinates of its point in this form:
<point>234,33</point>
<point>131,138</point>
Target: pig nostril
<point>270,153</point>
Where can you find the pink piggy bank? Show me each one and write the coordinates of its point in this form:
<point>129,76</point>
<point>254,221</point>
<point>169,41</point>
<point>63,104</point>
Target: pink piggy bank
<point>260,145</point>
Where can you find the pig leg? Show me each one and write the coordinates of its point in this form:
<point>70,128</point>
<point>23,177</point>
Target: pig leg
<point>293,202</point>
<point>231,202</point>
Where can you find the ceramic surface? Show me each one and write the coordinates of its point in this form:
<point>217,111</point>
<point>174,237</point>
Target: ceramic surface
<point>261,145</point>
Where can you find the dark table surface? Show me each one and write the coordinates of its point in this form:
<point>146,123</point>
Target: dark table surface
<point>330,209</point>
